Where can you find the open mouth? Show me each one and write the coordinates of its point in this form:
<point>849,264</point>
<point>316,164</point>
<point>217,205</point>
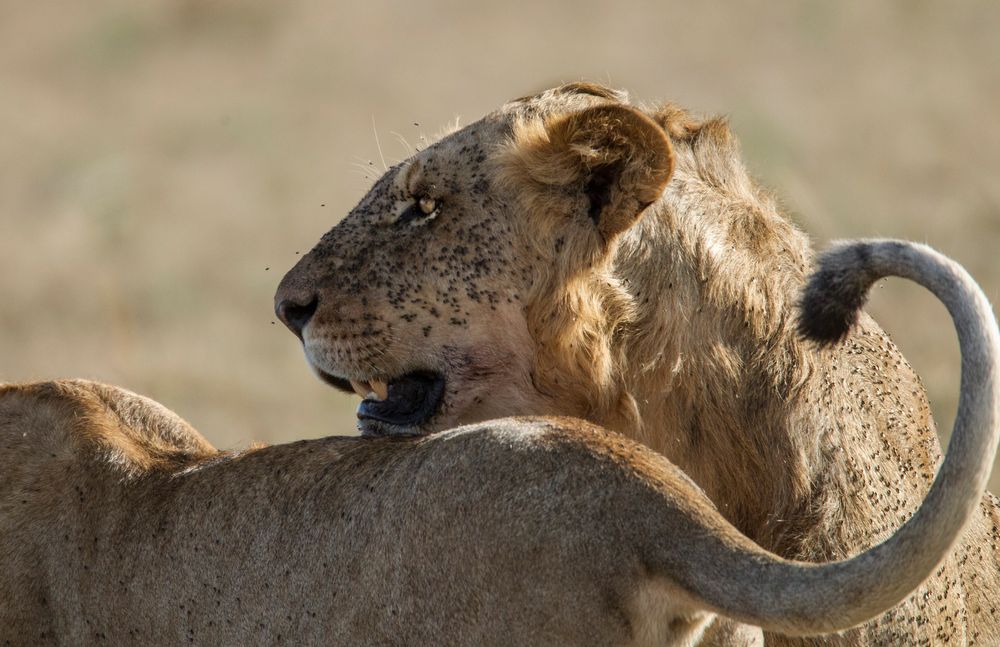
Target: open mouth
<point>395,406</point>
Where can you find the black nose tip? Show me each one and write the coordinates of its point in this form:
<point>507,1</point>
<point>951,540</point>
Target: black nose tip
<point>295,315</point>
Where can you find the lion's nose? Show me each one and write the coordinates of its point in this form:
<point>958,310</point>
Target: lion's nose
<point>296,315</point>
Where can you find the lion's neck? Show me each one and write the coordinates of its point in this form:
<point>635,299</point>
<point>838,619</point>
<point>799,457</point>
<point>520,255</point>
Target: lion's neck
<point>714,363</point>
<point>686,342</point>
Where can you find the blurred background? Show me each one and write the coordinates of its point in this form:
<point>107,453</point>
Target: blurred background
<point>164,162</point>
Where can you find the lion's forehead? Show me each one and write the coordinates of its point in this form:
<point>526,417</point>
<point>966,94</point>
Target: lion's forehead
<point>457,172</point>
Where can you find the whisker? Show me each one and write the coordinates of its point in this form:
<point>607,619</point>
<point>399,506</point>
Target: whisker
<point>378,145</point>
<point>402,140</point>
<point>367,170</point>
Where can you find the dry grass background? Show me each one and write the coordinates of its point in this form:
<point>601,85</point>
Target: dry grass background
<point>158,157</point>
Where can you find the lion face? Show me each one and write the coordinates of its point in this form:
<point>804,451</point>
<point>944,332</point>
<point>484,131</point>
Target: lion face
<point>423,299</point>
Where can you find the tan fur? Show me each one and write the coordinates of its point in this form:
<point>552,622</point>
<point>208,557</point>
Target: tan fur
<point>676,331</point>
<point>121,525</point>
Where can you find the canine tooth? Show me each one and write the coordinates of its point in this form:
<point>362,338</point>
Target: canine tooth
<point>380,388</point>
<point>361,388</point>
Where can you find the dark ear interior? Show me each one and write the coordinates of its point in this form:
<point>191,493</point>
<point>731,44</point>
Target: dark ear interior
<point>599,186</point>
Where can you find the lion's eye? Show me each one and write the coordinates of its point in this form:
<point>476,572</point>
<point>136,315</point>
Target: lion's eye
<point>427,205</point>
<point>424,209</point>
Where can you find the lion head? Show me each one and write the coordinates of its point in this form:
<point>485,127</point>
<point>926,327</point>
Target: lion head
<point>475,279</point>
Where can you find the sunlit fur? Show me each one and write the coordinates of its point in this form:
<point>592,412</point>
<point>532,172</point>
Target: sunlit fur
<point>673,325</point>
<point>682,335</point>
<point>696,298</point>
<point>121,525</point>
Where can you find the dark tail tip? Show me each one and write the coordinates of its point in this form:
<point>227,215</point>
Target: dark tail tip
<point>835,293</point>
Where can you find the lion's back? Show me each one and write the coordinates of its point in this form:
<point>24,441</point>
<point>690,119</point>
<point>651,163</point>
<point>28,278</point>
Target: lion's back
<point>49,430</point>
<point>66,447</point>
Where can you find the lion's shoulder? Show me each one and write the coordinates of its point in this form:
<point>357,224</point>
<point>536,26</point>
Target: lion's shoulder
<point>66,422</point>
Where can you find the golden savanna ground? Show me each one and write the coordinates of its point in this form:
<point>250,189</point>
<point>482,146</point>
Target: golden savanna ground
<point>164,161</point>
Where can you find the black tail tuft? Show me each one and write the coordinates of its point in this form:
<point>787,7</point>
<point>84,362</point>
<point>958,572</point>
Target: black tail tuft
<point>835,293</point>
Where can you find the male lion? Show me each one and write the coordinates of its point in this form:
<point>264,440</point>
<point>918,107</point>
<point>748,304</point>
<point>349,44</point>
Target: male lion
<point>120,524</point>
<point>572,254</point>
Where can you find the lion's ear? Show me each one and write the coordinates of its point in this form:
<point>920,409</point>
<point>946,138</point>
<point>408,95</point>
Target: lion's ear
<point>615,160</point>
